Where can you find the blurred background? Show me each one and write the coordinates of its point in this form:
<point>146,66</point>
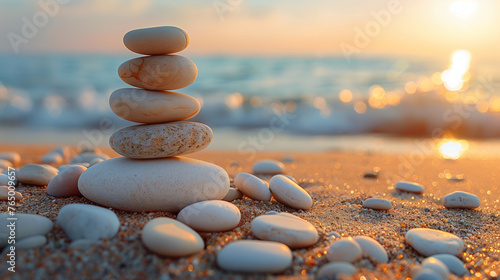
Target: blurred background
<point>273,75</point>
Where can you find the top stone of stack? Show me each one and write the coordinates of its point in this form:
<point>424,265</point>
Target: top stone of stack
<point>156,40</point>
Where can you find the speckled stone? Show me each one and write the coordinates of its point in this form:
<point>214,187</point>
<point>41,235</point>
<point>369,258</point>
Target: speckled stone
<point>461,200</point>
<point>159,72</point>
<point>145,106</point>
<point>210,216</point>
<point>156,40</point>
<point>161,140</point>
<point>430,242</point>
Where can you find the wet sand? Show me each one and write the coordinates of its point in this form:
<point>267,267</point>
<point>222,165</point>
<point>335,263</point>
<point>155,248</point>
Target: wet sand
<point>336,184</point>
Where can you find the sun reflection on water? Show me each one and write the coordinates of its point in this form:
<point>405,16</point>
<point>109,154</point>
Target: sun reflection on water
<point>453,149</point>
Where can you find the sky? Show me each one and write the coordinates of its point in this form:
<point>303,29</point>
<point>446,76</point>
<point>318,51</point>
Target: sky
<point>420,28</point>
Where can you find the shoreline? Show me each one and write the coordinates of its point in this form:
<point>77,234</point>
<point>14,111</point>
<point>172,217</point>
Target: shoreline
<point>334,180</point>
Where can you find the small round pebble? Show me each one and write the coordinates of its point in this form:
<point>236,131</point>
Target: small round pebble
<point>454,264</point>
<point>285,228</point>
<point>377,204</point>
<point>171,238</point>
<point>85,221</point>
<point>429,242</point>
<point>65,184</point>
<point>289,193</point>
<point>156,40</point>
<point>5,193</point>
<point>36,174</point>
<point>461,200</point>
<point>372,249</point>
<point>268,167</point>
<point>255,256</point>
<point>410,187</point>
<point>334,269</point>
<point>344,250</point>
<point>52,158</point>
<point>26,225</point>
<point>5,164</point>
<point>13,157</point>
<point>233,194</point>
<point>210,216</point>
<point>252,186</point>
<point>437,266</point>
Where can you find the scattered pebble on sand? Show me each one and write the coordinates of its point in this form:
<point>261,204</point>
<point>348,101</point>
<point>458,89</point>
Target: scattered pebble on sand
<point>210,216</point>
<point>268,167</point>
<point>410,187</point>
<point>289,193</point>
<point>377,204</point>
<point>430,242</point>
<point>461,200</point>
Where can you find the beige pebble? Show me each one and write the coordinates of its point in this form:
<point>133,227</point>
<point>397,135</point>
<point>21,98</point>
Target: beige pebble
<point>145,106</point>
<point>36,174</point>
<point>156,40</point>
<point>335,269</point>
<point>5,164</point>
<point>4,194</point>
<point>13,157</point>
<point>289,193</point>
<point>161,140</point>
<point>233,194</point>
<point>27,225</point>
<point>88,157</point>
<point>210,216</point>
<point>171,238</point>
<point>377,204</point>
<point>268,167</point>
<point>410,187</point>
<point>253,187</point>
<point>344,250</point>
<point>65,184</point>
<point>430,242</point>
<point>461,200</point>
<point>159,72</point>
<point>372,249</point>
<point>52,158</point>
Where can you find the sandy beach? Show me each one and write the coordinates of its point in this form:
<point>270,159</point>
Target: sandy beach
<point>336,184</point>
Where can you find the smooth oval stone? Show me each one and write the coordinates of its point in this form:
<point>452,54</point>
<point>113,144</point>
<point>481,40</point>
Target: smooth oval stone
<point>285,228</point>
<point>31,242</point>
<point>171,238</point>
<point>233,194</point>
<point>429,242</point>
<point>454,264</point>
<point>161,140</point>
<point>255,256</point>
<point>268,167</point>
<point>5,179</point>
<point>344,250</point>
<point>65,184</point>
<point>52,159</point>
<point>87,158</point>
<point>4,194</point>
<point>437,266</point>
<point>95,161</point>
<point>252,186</point>
<point>211,216</point>
<point>410,187</point>
<point>335,269</point>
<point>36,174</point>
<point>377,204</point>
<point>461,200</point>
<point>5,164</point>
<point>159,72</point>
<point>153,185</point>
<point>27,225</point>
<point>13,157</point>
<point>372,249</point>
<point>426,274</point>
<point>289,193</point>
<point>156,40</point>
<point>85,221</point>
<point>145,106</point>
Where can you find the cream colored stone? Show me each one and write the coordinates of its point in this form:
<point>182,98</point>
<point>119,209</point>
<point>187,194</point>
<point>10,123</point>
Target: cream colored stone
<point>156,40</point>
<point>430,242</point>
<point>161,140</point>
<point>210,216</point>
<point>461,200</point>
<point>344,250</point>
<point>253,187</point>
<point>4,194</point>
<point>65,184</point>
<point>289,193</point>
<point>372,249</point>
<point>159,72</point>
<point>233,194</point>
<point>13,157</point>
<point>377,204</point>
<point>36,174</point>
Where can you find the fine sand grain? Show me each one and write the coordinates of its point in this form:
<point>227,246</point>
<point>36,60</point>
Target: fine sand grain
<point>336,184</point>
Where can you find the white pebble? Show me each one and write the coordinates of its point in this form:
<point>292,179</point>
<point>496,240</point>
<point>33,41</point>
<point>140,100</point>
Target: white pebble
<point>4,194</point>
<point>425,274</point>
<point>233,194</point>
<point>31,242</point>
<point>344,250</point>
<point>13,157</point>
<point>289,193</point>
<point>37,174</point>
<point>27,225</point>
<point>171,238</point>
<point>437,266</point>
<point>65,184</point>
<point>211,216</point>
<point>335,269</point>
<point>411,187</point>
<point>285,228</point>
<point>454,264</point>
<point>255,256</point>
<point>85,221</point>
<point>253,187</point>
<point>461,200</point>
<point>52,158</point>
<point>372,249</point>
<point>377,203</point>
<point>268,167</point>
<point>429,242</point>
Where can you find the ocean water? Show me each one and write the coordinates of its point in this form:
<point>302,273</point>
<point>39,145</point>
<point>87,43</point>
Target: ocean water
<point>68,93</point>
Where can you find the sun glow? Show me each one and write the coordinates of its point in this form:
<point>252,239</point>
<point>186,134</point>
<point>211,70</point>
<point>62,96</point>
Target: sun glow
<point>453,149</point>
<point>463,9</point>
<point>455,77</point>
